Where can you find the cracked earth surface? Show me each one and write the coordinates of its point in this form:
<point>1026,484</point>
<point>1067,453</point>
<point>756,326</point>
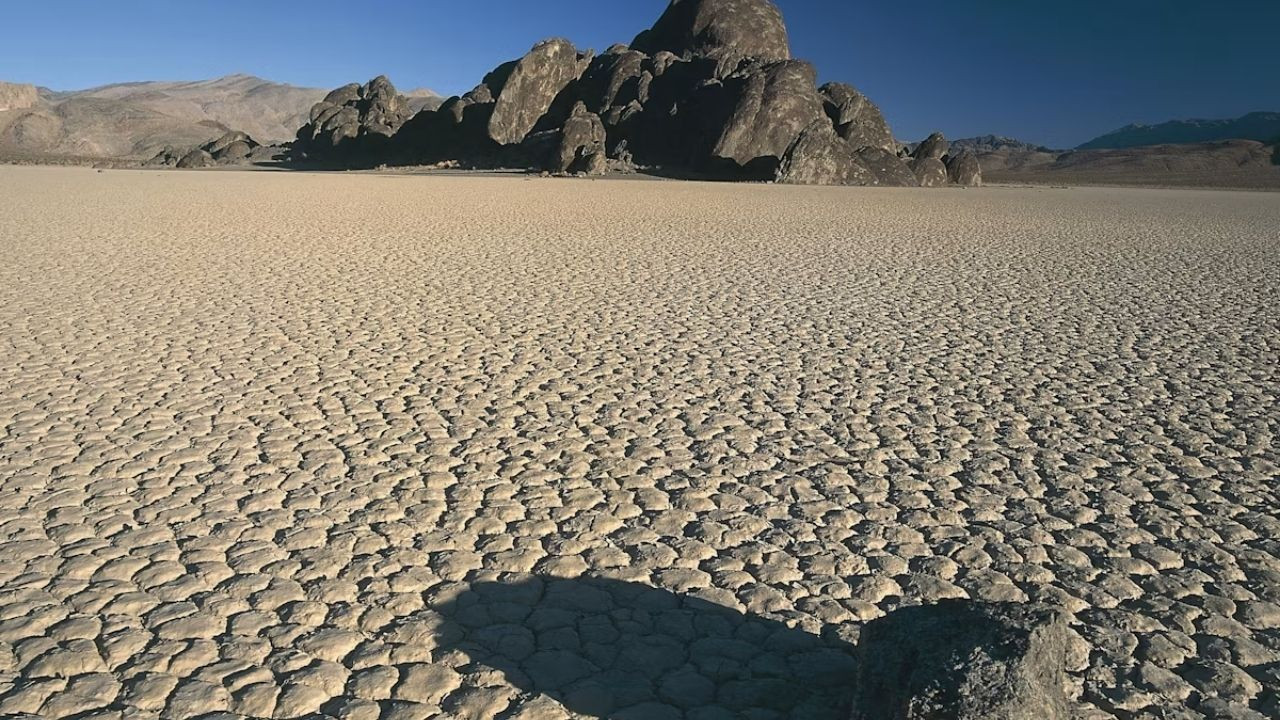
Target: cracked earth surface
<point>367,446</point>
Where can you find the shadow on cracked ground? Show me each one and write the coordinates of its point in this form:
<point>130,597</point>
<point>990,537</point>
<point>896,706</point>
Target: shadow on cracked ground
<point>607,648</point>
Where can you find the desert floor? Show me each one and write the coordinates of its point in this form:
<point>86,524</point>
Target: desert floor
<point>382,446</point>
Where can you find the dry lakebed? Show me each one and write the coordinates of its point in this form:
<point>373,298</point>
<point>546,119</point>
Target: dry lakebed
<point>387,446</point>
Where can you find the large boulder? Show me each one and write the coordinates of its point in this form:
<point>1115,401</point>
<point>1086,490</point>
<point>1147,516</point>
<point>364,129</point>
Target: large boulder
<point>233,147</point>
<point>581,140</point>
<point>856,118</point>
<point>532,86</point>
<point>353,123</point>
<point>963,169</point>
<point>935,146</point>
<point>930,172</point>
<point>770,105</point>
<point>821,157</point>
<point>726,31</point>
<point>889,169</point>
<point>963,660</point>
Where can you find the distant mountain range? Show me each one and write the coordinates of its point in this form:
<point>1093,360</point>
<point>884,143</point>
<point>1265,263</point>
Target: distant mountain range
<point>1260,126</point>
<point>1244,152</point>
<point>138,119</point>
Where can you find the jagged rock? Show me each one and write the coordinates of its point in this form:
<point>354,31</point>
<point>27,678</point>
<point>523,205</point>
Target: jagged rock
<point>382,109</point>
<point>581,139</point>
<point>856,118</point>
<point>935,146</point>
<point>889,169</point>
<point>929,171</point>
<point>771,105</point>
<point>612,79</point>
<point>726,31</point>
<point>531,87</point>
<point>710,91</point>
<point>821,157</point>
<point>963,169</point>
<point>963,660</point>
<point>346,95</point>
<point>196,159</point>
<point>353,122</point>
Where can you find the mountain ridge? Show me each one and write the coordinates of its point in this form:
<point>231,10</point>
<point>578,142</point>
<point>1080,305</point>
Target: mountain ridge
<point>136,119</point>
<point>1260,126</point>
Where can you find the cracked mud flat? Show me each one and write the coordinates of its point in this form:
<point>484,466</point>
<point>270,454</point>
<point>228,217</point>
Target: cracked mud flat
<point>370,446</point>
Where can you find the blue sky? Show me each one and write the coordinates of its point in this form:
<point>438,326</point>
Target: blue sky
<point>1054,72</point>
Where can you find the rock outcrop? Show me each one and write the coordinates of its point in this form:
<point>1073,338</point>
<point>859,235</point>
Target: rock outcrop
<point>963,660</point>
<point>963,169</point>
<point>533,86</point>
<point>232,148</point>
<point>770,105</point>
<point>710,90</point>
<point>197,158</point>
<point>726,31</point>
<point>581,143</point>
<point>353,123</point>
<point>856,118</point>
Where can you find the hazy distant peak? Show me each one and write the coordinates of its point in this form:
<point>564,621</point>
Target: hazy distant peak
<point>1259,126</point>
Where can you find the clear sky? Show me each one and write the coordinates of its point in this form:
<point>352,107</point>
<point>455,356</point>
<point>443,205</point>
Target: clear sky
<point>1056,72</point>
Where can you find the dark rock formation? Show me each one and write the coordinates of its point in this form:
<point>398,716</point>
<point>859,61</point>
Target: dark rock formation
<point>352,124</point>
<point>935,146</point>
<point>930,172</point>
<point>581,144</point>
<point>771,105</point>
<point>963,169</point>
<point>726,31</point>
<point>821,157</point>
<point>856,118</point>
<point>614,79</point>
<point>709,91</point>
<point>963,660</point>
<point>887,167</point>
<point>534,84</point>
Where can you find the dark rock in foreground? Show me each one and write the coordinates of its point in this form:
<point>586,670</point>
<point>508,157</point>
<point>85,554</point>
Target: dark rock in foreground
<point>962,660</point>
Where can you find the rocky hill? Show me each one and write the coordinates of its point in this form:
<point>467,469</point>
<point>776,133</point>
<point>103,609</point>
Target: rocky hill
<point>17,97</point>
<point>1259,126</point>
<point>711,90</point>
<point>1230,164</point>
<point>137,120</point>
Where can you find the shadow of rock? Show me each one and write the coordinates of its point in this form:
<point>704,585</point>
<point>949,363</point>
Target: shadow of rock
<point>607,648</point>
